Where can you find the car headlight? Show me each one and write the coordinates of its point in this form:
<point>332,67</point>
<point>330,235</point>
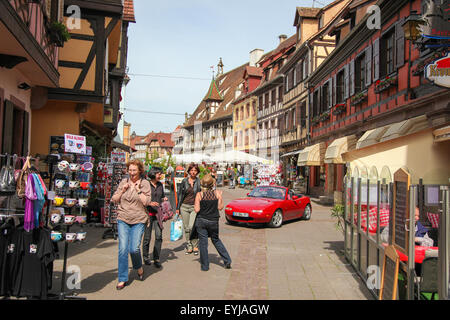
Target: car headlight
<point>257,211</point>
<point>228,208</point>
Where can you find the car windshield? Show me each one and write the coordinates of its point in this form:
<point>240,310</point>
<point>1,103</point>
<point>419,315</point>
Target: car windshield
<point>268,192</point>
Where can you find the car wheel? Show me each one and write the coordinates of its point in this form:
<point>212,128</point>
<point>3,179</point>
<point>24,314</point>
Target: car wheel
<point>307,213</point>
<point>277,219</point>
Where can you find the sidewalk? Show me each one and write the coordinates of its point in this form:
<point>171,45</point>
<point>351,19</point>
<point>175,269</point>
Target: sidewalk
<point>300,260</point>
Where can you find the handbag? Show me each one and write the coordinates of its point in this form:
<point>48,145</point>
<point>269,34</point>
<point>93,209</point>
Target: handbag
<point>7,181</point>
<point>167,211</point>
<point>23,179</point>
<point>176,229</point>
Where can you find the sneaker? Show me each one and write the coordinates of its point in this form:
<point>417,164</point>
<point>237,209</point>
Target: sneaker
<point>157,264</point>
<point>228,266</point>
<point>147,262</point>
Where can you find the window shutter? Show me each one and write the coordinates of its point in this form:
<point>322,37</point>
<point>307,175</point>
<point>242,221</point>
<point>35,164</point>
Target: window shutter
<point>399,44</point>
<point>297,113</point>
<point>376,59</point>
<point>335,89</point>
<point>346,82</point>
<point>8,127</point>
<point>330,93</point>
<point>311,104</point>
<point>26,123</point>
<point>368,65</point>
<point>352,77</point>
<point>307,65</point>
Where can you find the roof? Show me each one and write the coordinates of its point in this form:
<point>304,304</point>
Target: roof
<point>254,71</point>
<point>128,11</point>
<point>306,12</point>
<point>164,139</point>
<point>213,92</point>
<point>226,86</point>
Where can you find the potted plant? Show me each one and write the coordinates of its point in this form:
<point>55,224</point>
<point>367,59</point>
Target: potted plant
<point>382,85</point>
<point>358,98</point>
<point>339,109</point>
<point>315,120</point>
<point>59,33</point>
<point>324,116</point>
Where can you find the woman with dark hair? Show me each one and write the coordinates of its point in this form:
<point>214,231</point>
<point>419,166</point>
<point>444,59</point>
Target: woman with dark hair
<point>187,191</point>
<point>132,197</point>
<point>208,202</point>
<point>158,196</point>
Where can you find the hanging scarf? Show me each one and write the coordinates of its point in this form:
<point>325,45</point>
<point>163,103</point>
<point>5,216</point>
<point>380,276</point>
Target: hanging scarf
<point>30,196</point>
<point>38,204</point>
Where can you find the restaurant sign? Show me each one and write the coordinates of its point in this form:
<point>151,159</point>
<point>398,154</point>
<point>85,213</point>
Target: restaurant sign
<point>437,20</point>
<point>439,72</point>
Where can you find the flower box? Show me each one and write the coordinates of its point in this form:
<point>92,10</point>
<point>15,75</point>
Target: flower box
<point>324,116</point>
<point>315,121</point>
<point>383,85</point>
<point>339,109</point>
<point>358,98</point>
<point>58,34</point>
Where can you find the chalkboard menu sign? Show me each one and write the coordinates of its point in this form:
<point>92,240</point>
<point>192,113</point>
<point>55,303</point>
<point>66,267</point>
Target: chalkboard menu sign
<point>401,210</point>
<point>389,278</point>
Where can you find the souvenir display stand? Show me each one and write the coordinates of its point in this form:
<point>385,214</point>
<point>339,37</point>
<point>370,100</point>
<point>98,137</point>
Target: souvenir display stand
<point>72,186</point>
<point>114,174</point>
<point>269,175</point>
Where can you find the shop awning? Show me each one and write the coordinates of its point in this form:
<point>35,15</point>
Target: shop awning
<point>96,129</point>
<point>311,156</point>
<point>122,146</point>
<point>392,131</point>
<point>442,134</point>
<point>338,147</point>
<point>291,154</point>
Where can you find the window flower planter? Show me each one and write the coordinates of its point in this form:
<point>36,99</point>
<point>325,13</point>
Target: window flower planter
<point>315,121</point>
<point>358,98</point>
<point>59,34</point>
<point>339,109</point>
<point>324,116</point>
<point>383,85</point>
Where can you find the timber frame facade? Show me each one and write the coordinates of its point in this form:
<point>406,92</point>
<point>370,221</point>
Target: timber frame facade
<point>370,81</point>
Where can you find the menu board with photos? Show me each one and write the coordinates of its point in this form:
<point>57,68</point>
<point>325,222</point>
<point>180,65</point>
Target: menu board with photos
<point>401,210</point>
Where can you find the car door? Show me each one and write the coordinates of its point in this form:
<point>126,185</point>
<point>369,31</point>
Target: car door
<point>292,206</point>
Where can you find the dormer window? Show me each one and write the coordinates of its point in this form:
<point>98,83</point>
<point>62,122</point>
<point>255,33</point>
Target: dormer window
<point>321,21</point>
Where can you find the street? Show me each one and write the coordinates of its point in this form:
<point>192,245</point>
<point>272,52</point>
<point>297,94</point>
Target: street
<point>302,260</point>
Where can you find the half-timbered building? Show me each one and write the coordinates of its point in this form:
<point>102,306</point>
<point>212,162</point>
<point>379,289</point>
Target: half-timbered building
<point>371,108</point>
<point>92,67</point>
<point>28,65</point>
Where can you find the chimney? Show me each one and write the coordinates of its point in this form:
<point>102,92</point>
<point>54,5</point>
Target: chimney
<point>255,56</point>
<point>282,37</point>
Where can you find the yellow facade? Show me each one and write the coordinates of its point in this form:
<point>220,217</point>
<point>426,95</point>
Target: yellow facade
<point>244,124</point>
<point>410,152</point>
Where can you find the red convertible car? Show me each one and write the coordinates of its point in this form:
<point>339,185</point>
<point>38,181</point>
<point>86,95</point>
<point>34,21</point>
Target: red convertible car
<point>268,204</point>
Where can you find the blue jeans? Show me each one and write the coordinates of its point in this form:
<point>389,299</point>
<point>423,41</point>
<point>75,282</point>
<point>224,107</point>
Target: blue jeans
<point>130,236</point>
<point>205,229</point>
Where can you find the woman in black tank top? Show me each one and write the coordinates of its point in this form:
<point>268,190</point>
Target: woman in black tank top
<point>207,205</point>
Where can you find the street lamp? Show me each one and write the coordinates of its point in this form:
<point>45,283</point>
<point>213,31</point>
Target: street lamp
<point>411,26</point>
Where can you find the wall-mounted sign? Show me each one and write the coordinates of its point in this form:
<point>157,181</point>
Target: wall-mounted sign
<point>437,20</point>
<point>439,72</point>
<point>74,144</point>
<point>118,157</point>
<point>56,144</point>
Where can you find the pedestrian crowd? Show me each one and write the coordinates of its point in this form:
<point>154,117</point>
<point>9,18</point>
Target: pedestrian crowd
<point>143,207</point>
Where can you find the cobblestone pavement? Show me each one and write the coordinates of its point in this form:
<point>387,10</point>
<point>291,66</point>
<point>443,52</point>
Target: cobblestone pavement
<point>302,260</point>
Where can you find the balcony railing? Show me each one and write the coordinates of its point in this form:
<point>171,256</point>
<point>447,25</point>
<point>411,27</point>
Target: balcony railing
<point>35,16</point>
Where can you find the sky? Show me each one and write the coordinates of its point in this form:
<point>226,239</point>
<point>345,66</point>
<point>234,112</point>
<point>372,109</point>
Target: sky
<point>175,42</point>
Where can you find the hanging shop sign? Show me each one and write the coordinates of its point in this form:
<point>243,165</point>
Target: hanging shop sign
<point>439,72</point>
<point>74,144</point>
<point>437,20</point>
<point>118,157</point>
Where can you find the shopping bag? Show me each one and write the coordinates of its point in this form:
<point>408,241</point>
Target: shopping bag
<point>176,229</point>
